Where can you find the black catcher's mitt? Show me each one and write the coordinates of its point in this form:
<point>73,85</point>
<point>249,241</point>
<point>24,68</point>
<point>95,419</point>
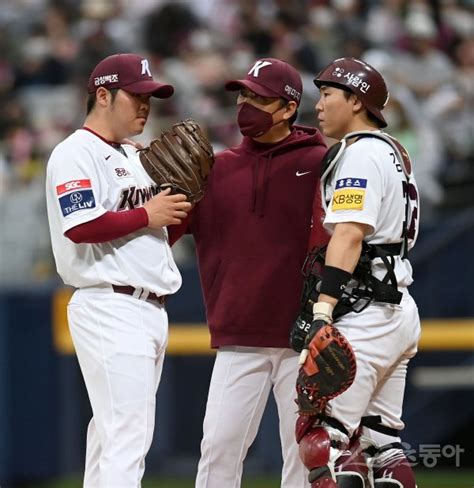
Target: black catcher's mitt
<point>329,368</point>
<point>181,158</point>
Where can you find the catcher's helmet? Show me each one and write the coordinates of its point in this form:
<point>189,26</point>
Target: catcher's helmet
<point>359,78</point>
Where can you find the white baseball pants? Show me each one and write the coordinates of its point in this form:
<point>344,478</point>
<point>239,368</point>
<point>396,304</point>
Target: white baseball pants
<point>120,344</point>
<point>240,385</point>
<point>384,337</point>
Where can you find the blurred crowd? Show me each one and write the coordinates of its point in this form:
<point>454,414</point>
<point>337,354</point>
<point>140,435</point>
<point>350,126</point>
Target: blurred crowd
<point>424,48</point>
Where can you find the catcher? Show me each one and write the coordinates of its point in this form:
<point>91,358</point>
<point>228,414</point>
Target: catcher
<point>359,326</point>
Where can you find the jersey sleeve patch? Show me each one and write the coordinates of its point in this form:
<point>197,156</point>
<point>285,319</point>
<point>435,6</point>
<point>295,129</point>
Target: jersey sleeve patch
<point>351,183</point>
<point>73,185</point>
<point>349,194</point>
<point>77,200</point>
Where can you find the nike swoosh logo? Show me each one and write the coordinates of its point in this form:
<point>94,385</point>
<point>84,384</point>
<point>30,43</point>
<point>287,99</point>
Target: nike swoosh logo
<point>107,157</point>
<point>302,174</point>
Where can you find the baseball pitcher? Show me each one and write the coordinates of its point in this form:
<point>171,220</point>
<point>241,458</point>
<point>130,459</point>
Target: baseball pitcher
<point>108,223</point>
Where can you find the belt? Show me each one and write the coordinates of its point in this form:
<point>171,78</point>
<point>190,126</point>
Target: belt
<point>139,293</point>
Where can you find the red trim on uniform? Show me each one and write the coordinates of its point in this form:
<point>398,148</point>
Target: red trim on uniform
<point>111,143</point>
<point>109,226</point>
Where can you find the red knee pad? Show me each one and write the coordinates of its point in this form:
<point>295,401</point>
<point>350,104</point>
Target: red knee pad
<point>303,424</point>
<point>315,447</point>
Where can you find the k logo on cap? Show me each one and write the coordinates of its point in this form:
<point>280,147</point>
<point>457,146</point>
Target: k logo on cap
<point>145,67</point>
<point>271,77</point>
<point>129,72</point>
<point>257,66</point>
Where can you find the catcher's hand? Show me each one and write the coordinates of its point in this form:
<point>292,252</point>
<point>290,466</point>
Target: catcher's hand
<point>328,364</point>
<point>180,159</point>
<point>299,331</point>
<point>322,312</point>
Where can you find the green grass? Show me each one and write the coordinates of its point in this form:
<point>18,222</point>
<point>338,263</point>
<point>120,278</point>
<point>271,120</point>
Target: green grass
<point>425,479</point>
<point>452,479</point>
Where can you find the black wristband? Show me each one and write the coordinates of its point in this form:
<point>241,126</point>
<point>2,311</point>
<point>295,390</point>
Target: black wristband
<point>334,281</point>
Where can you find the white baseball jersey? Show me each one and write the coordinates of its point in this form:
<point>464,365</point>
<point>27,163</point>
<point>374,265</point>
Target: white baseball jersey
<point>86,177</point>
<point>369,186</point>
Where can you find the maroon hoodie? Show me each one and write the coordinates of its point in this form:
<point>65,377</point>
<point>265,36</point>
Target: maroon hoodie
<point>251,231</point>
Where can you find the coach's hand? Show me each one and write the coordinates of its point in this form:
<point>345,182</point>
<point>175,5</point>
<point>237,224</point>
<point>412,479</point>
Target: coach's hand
<point>131,142</point>
<point>166,209</point>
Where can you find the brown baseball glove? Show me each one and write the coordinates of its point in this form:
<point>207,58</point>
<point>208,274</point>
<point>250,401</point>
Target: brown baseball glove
<point>329,368</point>
<point>181,158</point>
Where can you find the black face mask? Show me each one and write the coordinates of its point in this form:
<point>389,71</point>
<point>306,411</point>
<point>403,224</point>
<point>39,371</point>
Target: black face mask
<point>254,122</point>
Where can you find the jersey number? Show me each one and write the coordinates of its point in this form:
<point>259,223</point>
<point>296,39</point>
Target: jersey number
<point>411,210</point>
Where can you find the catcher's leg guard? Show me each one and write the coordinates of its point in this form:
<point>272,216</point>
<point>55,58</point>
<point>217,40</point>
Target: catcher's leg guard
<point>391,468</point>
<point>351,467</point>
<point>324,483</point>
<point>350,480</point>
<point>319,446</point>
<point>388,484</point>
<point>315,447</point>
